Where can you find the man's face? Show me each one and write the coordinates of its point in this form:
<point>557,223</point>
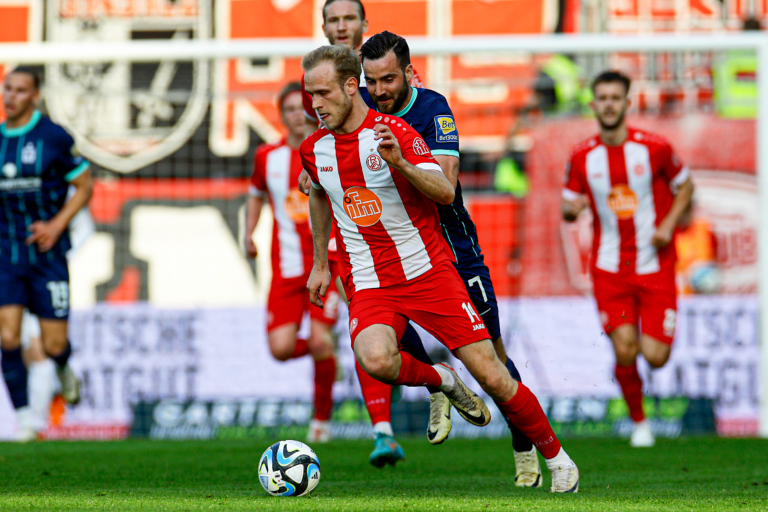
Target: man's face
<point>343,26</point>
<point>292,114</point>
<point>387,83</point>
<point>610,104</point>
<point>19,95</point>
<point>331,101</point>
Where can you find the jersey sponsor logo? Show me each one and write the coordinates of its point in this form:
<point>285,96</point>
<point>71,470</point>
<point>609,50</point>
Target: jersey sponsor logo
<point>326,168</point>
<point>297,206</point>
<point>622,201</point>
<point>420,147</point>
<point>158,106</point>
<point>373,162</point>
<point>28,154</point>
<point>445,129</point>
<point>21,184</point>
<point>362,206</point>
<point>10,170</point>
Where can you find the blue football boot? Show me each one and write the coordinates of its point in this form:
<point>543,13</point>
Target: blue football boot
<point>385,451</point>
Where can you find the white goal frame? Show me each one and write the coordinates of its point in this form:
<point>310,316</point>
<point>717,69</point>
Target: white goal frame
<point>148,51</point>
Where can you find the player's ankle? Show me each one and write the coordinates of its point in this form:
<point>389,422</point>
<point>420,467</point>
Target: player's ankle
<point>383,427</point>
<point>448,380</point>
<point>559,460</point>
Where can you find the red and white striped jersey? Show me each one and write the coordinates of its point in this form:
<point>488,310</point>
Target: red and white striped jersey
<point>276,169</point>
<point>631,188</point>
<point>387,231</point>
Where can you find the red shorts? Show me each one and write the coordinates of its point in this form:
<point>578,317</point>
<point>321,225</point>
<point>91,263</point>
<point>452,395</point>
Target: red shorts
<point>650,300</point>
<point>289,300</point>
<point>437,301</point>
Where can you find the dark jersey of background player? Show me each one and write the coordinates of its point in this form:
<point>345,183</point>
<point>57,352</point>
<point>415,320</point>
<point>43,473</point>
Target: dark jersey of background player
<point>429,114</point>
<point>38,161</point>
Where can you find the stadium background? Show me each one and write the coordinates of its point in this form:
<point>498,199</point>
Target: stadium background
<point>167,308</point>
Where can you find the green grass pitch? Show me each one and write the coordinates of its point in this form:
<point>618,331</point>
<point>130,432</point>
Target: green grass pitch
<point>682,474</point>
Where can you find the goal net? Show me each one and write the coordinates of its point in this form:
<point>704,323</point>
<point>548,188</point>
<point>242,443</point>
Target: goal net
<point>168,316</point>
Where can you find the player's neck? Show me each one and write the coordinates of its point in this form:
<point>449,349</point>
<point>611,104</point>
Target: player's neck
<point>21,120</point>
<point>356,116</point>
<point>615,136</point>
<point>293,140</point>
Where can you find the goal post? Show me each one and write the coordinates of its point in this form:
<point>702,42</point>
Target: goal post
<point>51,53</point>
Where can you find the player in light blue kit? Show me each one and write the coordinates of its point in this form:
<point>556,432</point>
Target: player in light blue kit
<point>38,164</point>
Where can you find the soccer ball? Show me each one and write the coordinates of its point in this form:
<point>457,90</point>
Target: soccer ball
<point>289,468</point>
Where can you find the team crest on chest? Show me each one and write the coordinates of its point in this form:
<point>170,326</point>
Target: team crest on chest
<point>28,154</point>
<point>126,115</point>
<point>373,162</point>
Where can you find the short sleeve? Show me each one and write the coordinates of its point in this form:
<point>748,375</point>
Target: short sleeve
<point>414,149</point>
<point>308,162</point>
<point>306,101</point>
<point>573,183</point>
<point>441,134</point>
<point>71,163</point>
<point>671,168</point>
<point>258,184</point>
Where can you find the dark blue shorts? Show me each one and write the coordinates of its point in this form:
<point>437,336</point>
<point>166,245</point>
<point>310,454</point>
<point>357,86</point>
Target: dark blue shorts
<point>42,287</point>
<point>478,283</point>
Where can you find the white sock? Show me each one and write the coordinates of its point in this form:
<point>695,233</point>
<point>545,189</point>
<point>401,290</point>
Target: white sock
<point>445,375</point>
<point>560,460</point>
<point>383,427</point>
<point>40,383</point>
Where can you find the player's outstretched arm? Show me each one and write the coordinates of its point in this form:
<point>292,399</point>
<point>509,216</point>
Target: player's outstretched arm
<point>450,166</point>
<point>46,233</point>
<point>432,184</point>
<point>321,216</point>
<point>666,229</point>
<point>253,208</point>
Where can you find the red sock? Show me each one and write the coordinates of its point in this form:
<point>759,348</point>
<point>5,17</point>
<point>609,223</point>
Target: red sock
<point>524,411</point>
<point>325,376</point>
<point>301,349</point>
<point>632,388</point>
<point>415,373</point>
<point>377,396</point>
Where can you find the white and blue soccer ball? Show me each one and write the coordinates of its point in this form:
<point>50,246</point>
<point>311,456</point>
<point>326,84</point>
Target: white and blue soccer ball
<point>289,468</point>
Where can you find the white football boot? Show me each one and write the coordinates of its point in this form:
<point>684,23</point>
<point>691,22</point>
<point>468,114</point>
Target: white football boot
<point>70,384</point>
<point>470,406</point>
<point>439,418</point>
<point>565,478</point>
<point>527,469</point>
<point>642,435</point>
<point>319,431</point>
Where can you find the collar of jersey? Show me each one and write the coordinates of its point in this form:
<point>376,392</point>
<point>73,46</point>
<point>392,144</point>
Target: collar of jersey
<point>414,93</point>
<point>22,130</point>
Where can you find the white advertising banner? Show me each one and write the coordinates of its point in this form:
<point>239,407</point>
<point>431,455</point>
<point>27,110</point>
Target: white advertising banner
<point>126,354</point>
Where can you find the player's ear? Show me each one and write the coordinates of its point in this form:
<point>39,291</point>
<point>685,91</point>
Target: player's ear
<point>408,73</point>
<point>351,86</point>
<point>364,26</point>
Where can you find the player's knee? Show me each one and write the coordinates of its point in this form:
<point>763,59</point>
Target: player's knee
<point>497,383</point>
<point>658,360</point>
<point>380,367</point>
<point>10,339</point>
<point>321,347</point>
<point>281,352</point>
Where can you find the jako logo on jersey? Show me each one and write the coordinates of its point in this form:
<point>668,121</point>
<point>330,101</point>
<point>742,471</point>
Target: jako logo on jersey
<point>622,201</point>
<point>420,147</point>
<point>297,206</point>
<point>445,129</point>
<point>328,168</point>
<point>28,154</point>
<point>160,103</point>
<point>373,162</point>
<point>362,206</point>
